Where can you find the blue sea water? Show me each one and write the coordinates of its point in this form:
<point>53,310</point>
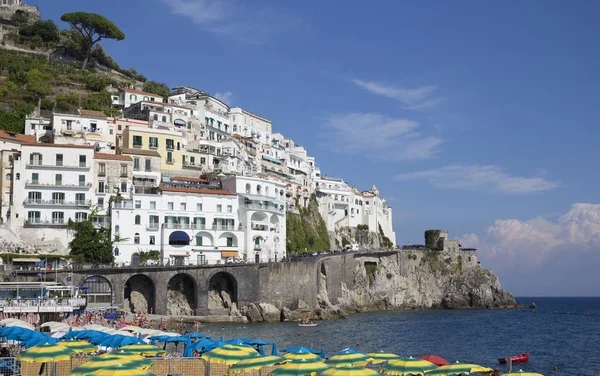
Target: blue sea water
<point>560,331</point>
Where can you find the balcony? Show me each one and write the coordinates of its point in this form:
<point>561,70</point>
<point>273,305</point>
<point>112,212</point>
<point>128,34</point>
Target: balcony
<point>180,226</point>
<point>128,205</point>
<point>101,173</point>
<point>227,228</point>
<point>38,184</point>
<point>193,166</point>
<point>152,226</point>
<point>277,209</point>
<point>36,202</point>
<point>46,223</point>
<point>59,165</point>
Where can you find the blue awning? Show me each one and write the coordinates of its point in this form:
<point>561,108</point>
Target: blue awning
<point>179,236</point>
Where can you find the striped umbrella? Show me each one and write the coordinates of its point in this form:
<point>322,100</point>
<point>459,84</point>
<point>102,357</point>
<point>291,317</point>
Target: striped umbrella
<point>121,370</point>
<point>109,360</point>
<point>458,368</point>
<point>144,349</point>
<point>299,367</point>
<point>229,354</point>
<point>410,366</point>
<point>382,356</point>
<point>301,354</point>
<point>348,357</point>
<point>349,371</point>
<point>46,353</point>
<point>256,362</point>
<point>522,373</point>
<point>79,346</point>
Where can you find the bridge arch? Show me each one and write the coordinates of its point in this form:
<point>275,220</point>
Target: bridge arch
<point>140,293</point>
<point>99,291</point>
<point>222,291</point>
<point>181,295</point>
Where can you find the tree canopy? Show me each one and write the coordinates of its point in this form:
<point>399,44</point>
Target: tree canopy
<point>91,245</point>
<point>92,28</point>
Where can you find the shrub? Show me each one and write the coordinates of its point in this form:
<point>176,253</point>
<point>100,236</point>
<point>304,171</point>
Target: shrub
<point>363,227</point>
<point>96,82</point>
<point>42,32</point>
<point>46,104</point>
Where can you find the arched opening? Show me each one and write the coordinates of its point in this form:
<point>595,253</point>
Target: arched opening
<point>181,295</point>
<point>204,239</point>
<point>138,219</point>
<point>179,238</point>
<point>227,239</point>
<point>136,238</point>
<point>139,294</point>
<point>258,190</point>
<point>135,260</point>
<point>259,221</point>
<point>267,190</point>
<point>222,291</point>
<point>248,189</point>
<point>99,291</point>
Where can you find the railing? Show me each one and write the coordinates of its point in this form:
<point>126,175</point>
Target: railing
<point>264,207</point>
<point>152,226</point>
<point>192,165</point>
<point>182,226</point>
<point>58,165</point>
<point>39,222</point>
<point>57,202</point>
<point>226,228</point>
<point>101,173</point>
<point>37,183</point>
<point>122,205</point>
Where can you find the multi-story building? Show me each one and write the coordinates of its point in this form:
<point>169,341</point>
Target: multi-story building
<point>189,226</point>
<point>262,215</point>
<point>168,144</point>
<point>129,97</point>
<point>10,147</point>
<point>85,127</point>
<point>39,125</point>
<point>113,174</point>
<point>377,213</point>
<point>53,184</point>
<point>162,115</point>
<point>120,124</point>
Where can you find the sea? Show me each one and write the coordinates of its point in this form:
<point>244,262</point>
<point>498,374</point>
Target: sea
<point>563,332</point>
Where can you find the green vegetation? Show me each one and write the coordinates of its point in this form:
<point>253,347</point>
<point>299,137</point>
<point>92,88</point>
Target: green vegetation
<point>146,256</point>
<point>87,29</point>
<point>345,242</point>
<point>13,120</point>
<point>90,245</point>
<point>157,88</point>
<point>306,232</point>
<point>431,239</point>
<point>387,243</point>
<point>363,227</point>
<point>411,256</point>
<point>371,270</point>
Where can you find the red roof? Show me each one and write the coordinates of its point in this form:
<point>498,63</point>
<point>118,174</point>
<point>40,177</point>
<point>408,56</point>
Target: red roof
<point>199,191</point>
<point>116,157</point>
<point>91,113</point>
<point>140,92</point>
<point>17,137</point>
<point>58,145</point>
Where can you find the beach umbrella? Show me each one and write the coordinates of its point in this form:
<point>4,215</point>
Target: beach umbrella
<point>382,356</point>
<point>18,323</point>
<point>39,340</point>
<point>79,346</point>
<point>522,373</point>
<point>197,335</point>
<point>274,350</point>
<point>143,349</point>
<point>256,362</point>
<point>322,355</point>
<point>121,370</point>
<point>348,357</point>
<point>46,353</point>
<point>410,366</point>
<point>118,340</point>
<point>300,349</point>
<point>301,354</point>
<point>437,360</point>
<point>229,354</point>
<point>458,368</point>
<point>349,371</point>
<point>111,360</point>
<point>300,367</point>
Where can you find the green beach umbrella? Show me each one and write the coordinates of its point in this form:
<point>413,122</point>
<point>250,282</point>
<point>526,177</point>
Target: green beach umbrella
<point>46,353</point>
<point>79,346</point>
<point>301,355</point>
<point>146,350</point>
<point>409,366</point>
<point>382,356</point>
<point>109,360</point>
<point>229,354</point>
<point>458,368</point>
<point>349,371</point>
<point>348,358</point>
<point>299,367</point>
<point>121,370</point>
<point>522,373</point>
<point>256,362</point>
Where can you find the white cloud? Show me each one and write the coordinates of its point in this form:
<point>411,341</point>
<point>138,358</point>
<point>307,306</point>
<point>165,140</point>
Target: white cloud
<point>225,97</point>
<point>235,20</point>
<point>411,99</point>
<point>378,137</point>
<point>480,177</point>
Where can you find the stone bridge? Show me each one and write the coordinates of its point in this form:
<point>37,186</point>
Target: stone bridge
<point>282,284</point>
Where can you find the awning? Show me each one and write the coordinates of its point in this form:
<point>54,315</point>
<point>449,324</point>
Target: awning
<point>229,254</point>
<point>33,259</point>
<point>143,176</point>
<point>179,236</point>
<point>93,136</point>
<point>258,198</point>
<point>272,159</point>
<point>179,255</point>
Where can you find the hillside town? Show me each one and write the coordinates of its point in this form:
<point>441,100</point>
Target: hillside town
<point>187,175</point>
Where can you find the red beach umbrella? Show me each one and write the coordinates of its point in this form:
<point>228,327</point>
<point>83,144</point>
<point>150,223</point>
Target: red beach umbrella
<point>438,361</point>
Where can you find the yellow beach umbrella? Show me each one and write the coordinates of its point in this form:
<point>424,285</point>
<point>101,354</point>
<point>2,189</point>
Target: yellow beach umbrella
<point>256,362</point>
<point>229,354</point>
<point>146,350</point>
<point>301,355</point>
<point>299,367</point>
<point>382,356</point>
<point>348,357</point>
<point>349,371</point>
<point>79,346</point>
<point>459,368</point>
<point>121,370</point>
<point>409,366</point>
<point>522,373</point>
<point>46,353</point>
<point>109,360</point>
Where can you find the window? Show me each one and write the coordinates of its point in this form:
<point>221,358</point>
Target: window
<point>58,198</point>
<point>202,160</point>
<point>8,177</point>
<point>82,180</point>
<point>82,161</point>
<point>57,179</point>
<point>266,191</point>
<point>248,189</point>
<point>229,208</point>
<point>111,131</point>
<point>170,144</point>
<point>199,207</point>
<point>69,125</point>
<point>32,127</point>
<point>133,97</point>
<point>117,230</point>
<point>169,157</point>
<point>138,204</point>
<point>35,159</point>
<point>153,205</point>
<point>219,209</point>
<point>136,164</point>
<point>199,240</point>
<point>123,170</point>
<point>137,141</point>
<point>138,219</point>
<point>80,217</point>
<point>80,198</point>
<point>155,117</point>
<point>218,124</point>
<point>169,205</point>
<point>153,142</point>
<point>34,217</point>
<point>58,218</point>
<point>258,189</point>
<point>164,119</point>
<point>100,203</point>
<point>100,187</point>
<point>136,238</point>
<point>102,169</point>
<point>124,186</point>
<point>230,242</point>
<point>119,127</point>
<point>17,176</point>
<point>148,164</point>
<point>182,206</point>
<point>59,159</point>
<point>152,240</point>
<point>192,160</point>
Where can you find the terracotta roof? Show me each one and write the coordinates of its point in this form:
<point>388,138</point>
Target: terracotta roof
<point>184,178</point>
<point>167,104</point>
<point>17,137</point>
<point>199,191</point>
<point>116,157</point>
<point>135,151</point>
<point>58,145</point>
<point>91,113</point>
<point>140,92</point>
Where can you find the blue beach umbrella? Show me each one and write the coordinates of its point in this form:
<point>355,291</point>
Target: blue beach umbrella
<point>261,351</point>
<point>322,353</point>
<point>197,335</point>
<point>274,350</point>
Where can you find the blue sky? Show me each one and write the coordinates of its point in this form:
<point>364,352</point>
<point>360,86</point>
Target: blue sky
<point>477,117</point>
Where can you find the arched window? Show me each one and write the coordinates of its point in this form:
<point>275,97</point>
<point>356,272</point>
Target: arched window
<point>133,97</point>
<point>352,211</point>
<point>136,238</point>
<point>8,177</point>
<point>235,128</point>
<point>18,176</point>
<point>116,251</point>
<point>164,119</point>
<point>356,202</point>
<point>138,219</point>
<point>117,230</point>
<point>248,188</point>
<point>267,190</point>
<point>155,117</point>
<point>258,189</point>
<point>146,98</point>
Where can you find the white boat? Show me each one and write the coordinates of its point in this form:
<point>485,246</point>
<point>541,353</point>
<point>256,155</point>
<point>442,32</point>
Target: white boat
<point>309,324</point>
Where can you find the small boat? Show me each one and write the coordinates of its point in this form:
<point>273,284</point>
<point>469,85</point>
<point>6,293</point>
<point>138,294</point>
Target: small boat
<point>521,358</point>
<point>308,324</point>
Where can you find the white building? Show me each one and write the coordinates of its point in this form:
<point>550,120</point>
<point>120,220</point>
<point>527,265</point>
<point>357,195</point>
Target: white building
<point>377,213</point>
<point>262,214</point>
<point>188,226</point>
<point>10,149</point>
<point>87,127</point>
<point>129,97</point>
<point>53,183</point>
